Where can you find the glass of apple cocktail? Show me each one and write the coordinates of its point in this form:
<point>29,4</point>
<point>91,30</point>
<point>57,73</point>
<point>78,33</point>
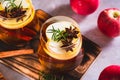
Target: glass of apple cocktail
<point>60,45</point>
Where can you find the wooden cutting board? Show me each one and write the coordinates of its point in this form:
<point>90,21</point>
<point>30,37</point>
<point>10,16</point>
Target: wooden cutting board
<point>29,66</point>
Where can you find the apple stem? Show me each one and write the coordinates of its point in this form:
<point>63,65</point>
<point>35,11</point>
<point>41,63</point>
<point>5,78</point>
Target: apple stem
<point>115,15</point>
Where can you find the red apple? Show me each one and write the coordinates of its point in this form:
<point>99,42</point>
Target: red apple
<point>109,22</point>
<point>111,72</point>
<point>84,7</point>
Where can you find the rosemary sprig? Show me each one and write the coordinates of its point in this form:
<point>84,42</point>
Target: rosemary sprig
<point>11,5</point>
<point>57,34</point>
<point>48,76</point>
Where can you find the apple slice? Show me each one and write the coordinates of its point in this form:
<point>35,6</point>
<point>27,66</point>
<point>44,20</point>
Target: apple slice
<point>109,22</point>
<point>111,72</point>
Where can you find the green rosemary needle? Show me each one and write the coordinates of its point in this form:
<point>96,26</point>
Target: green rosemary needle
<point>48,76</point>
<point>11,5</point>
<point>57,34</point>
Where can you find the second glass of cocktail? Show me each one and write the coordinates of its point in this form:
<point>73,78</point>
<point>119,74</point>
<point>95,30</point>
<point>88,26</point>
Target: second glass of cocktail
<point>18,23</point>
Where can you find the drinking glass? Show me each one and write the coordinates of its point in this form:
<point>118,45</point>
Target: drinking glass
<point>18,27</point>
<point>53,57</point>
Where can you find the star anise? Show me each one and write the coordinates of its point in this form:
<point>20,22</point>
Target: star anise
<point>67,45</point>
<point>71,34</point>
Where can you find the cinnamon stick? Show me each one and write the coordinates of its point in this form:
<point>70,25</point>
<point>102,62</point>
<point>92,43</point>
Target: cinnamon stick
<point>12,53</point>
